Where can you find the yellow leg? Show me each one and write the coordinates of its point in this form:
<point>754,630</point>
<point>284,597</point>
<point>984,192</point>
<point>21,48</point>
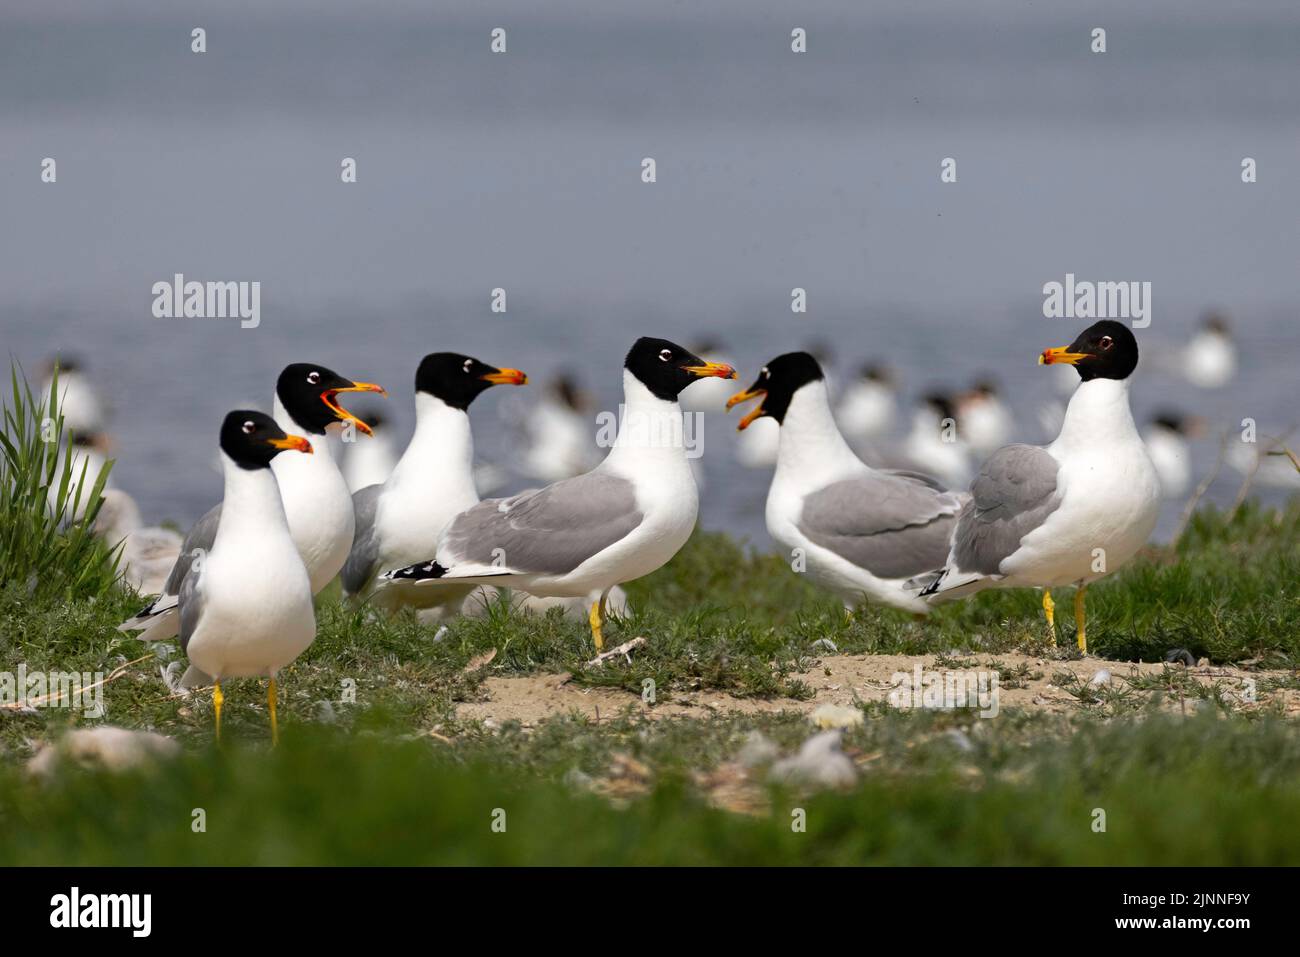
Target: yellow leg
<point>218,699</point>
<point>270,700</point>
<point>1049,609</point>
<point>1079,616</point>
<point>596,618</point>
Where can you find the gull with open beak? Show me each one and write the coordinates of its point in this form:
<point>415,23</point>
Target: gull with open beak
<point>317,505</point>
<point>400,521</point>
<point>581,536</point>
<point>1068,513</point>
<point>857,531</point>
<point>246,610</point>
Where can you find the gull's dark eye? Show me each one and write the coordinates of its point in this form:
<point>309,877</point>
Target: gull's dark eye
<point>665,355</point>
<point>1107,342</point>
<point>313,377</point>
<point>468,364</point>
<point>765,372</point>
<point>250,428</point>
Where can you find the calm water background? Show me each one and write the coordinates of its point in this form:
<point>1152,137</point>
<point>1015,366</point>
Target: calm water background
<point>522,171</point>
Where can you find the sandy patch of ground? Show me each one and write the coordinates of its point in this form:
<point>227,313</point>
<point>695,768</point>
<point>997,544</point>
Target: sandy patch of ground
<point>1025,682</point>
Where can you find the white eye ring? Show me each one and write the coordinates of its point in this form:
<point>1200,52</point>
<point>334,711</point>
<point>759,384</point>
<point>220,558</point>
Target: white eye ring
<point>313,377</point>
<point>250,427</point>
<point>1107,342</point>
<point>665,355</point>
<point>765,372</point>
<point>468,364</point>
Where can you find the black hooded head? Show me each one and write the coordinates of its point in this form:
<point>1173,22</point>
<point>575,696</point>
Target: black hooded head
<point>252,439</point>
<point>1215,322</point>
<point>665,368</point>
<point>1105,350</point>
<point>776,384</point>
<point>307,392</point>
<point>458,380</point>
<point>877,372</point>
<point>941,404</point>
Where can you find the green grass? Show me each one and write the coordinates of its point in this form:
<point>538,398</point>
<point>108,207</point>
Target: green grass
<point>46,512</point>
<point>1202,791</point>
<point>397,777</point>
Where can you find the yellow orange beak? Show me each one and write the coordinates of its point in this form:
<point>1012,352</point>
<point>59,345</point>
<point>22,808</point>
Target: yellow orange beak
<point>1061,354</point>
<point>295,442</point>
<point>753,413</point>
<point>506,377</point>
<point>342,414</point>
<point>717,370</point>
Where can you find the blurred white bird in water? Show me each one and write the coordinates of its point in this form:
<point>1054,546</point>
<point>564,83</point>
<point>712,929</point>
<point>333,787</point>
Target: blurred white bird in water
<point>868,410</point>
<point>986,422</point>
<point>1166,437</point>
<point>560,432</point>
<point>1267,458</point>
<point>1209,360</point>
<point>80,404</point>
<point>934,445</point>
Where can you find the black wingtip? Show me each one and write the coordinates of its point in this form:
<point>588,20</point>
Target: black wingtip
<point>933,587</point>
<point>420,571</point>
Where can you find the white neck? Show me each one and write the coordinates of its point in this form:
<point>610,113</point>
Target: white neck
<point>440,456</point>
<point>811,444</point>
<point>251,502</point>
<point>1098,415</point>
<point>650,429</point>
<point>320,447</point>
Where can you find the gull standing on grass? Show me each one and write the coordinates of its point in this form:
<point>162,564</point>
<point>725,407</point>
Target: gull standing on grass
<point>863,532</point>
<point>401,520</point>
<point>246,608</point>
<point>317,505</point>
<point>584,535</point>
<point>1069,513</point>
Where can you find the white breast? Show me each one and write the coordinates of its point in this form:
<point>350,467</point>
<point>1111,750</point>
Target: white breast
<point>254,593</point>
<point>318,508</point>
<point>1110,495</point>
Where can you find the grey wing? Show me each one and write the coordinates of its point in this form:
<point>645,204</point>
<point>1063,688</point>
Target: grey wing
<point>893,524</point>
<point>1013,494</point>
<point>360,566</point>
<point>200,538</point>
<point>551,531</point>
<point>191,606</point>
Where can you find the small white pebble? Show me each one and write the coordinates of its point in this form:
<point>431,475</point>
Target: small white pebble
<point>836,716</point>
<point>960,740</point>
<point>325,713</point>
<point>757,750</point>
<point>819,763</point>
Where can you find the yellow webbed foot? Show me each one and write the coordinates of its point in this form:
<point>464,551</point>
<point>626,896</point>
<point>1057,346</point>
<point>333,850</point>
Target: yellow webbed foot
<point>1049,609</point>
<point>218,699</point>
<point>271,696</point>
<point>1079,616</point>
<point>596,620</point>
